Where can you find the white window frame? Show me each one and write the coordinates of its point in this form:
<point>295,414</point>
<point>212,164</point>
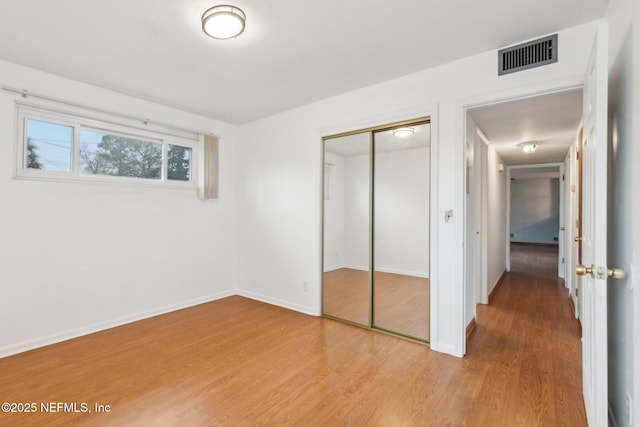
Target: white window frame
<point>77,122</point>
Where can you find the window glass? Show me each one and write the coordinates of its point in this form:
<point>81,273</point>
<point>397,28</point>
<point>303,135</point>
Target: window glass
<point>178,163</point>
<point>59,146</point>
<point>106,154</point>
<point>48,146</point>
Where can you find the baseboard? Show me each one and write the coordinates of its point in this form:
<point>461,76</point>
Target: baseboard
<point>573,306</point>
<point>551,245</point>
<point>333,268</point>
<point>447,349</point>
<point>471,327</point>
<point>356,267</point>
<point>101,326</point>
<point>275,301</point>
<point>493,292</point>
<point>402,272</point>
<point>381,269</point>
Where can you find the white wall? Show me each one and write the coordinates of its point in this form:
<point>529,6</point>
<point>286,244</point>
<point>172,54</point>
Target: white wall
<point>401,212</point>
<point>401,197</point>
<point>356,215</point>
<point>535,210</point>
<point>624,204</point>
<point>496,219</point>
<point>334,213</point>
<point>78,257</point>
<point>280,174</point>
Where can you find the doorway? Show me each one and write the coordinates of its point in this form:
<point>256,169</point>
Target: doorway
<point>530,135</point>
<point>536,209</point>
<point>376,228</point>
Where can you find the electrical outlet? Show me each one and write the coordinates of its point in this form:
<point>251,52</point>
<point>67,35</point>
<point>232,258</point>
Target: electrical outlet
<point>305,286</point>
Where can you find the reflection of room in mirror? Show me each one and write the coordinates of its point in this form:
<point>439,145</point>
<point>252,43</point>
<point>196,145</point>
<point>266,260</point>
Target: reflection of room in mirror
<point>327,180</point>
<point>402,304</point>
<point>401,170</point>
<point>401,231</point>
<point>346,229</point>
<point>346,294</point>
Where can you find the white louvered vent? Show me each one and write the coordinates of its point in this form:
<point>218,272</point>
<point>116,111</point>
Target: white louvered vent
<point>528,55</point>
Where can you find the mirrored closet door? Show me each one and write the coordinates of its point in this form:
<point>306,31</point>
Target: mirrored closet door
<point>347,221</point>
<point>401,230</point>
<point>376,228</point>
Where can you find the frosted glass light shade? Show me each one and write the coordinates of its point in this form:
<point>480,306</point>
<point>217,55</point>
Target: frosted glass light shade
<point>403,132</point>
<point>223,22</point>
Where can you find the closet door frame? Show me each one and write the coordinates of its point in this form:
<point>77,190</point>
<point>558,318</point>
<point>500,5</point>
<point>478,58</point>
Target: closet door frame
<point>370,131</point>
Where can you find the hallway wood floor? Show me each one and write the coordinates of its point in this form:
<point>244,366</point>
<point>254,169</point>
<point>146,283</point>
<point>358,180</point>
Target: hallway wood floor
<point>238,362</point>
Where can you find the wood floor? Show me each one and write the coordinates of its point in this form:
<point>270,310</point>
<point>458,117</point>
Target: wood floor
<point>237,362</point>
<point>401,302</point>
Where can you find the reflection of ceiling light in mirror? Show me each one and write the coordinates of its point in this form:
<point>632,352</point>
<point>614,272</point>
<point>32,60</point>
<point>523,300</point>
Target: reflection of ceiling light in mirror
<point>403,132</point>
<point>528,148</point>
<point>223,22</point>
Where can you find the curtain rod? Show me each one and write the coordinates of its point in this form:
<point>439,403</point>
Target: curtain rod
<point>25,93</point>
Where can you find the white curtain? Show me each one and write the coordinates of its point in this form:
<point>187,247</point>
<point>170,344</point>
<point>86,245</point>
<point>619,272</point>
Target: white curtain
<point>209,169</point>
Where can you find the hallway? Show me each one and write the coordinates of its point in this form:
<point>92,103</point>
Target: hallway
<point>530,342</point>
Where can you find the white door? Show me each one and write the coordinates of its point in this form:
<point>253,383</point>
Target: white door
<point>561,223</point>
<point>594,234</point>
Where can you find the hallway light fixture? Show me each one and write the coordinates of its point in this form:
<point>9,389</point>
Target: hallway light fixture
<point>528,148</point>
<point>403,132</point>
<point>223,22</point>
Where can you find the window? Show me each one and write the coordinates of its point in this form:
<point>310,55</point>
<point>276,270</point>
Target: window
<point>179,163</point>
<point>49,146</point>
<point>60,146</point>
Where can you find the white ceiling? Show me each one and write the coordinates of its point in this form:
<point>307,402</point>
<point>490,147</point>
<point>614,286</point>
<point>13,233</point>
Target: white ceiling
<point>292,53</point>
<point>550,121</point>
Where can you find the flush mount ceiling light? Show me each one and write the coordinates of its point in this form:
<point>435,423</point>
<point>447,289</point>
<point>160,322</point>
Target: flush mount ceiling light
<point>223,22</point>
<point>528,148</point>
<point>403,132</point>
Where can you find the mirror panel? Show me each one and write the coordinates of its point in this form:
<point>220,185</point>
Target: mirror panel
<point>401,173</point>
<point>346,239</point>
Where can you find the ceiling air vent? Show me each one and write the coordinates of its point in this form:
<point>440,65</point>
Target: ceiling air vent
<point>528,55</point>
